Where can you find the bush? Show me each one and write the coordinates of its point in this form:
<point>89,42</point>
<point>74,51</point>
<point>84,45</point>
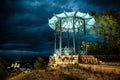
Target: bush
<point>3,71</point>
<point>39,63</point>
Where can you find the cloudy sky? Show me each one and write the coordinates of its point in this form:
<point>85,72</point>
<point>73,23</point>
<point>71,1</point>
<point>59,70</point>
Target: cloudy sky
<point>24,23</point>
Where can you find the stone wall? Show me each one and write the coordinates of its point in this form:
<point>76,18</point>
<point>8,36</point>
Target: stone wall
<point>88,59</point>
<point>65,60</point>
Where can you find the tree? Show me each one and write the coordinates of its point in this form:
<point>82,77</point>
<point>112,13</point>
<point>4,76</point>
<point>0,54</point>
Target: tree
<point>93,48</point>
<point>3,71</point>
<point>39,63</point>
<point>108,28</point>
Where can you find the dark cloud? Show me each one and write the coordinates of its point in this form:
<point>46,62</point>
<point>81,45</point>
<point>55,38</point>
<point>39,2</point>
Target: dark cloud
<point>22,54</point>
<point>24,23</point>
<point>105,4</point>
<point>14,44</point>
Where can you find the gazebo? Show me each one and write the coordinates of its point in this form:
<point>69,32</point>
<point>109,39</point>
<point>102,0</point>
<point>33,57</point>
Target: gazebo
<point>70,22</point>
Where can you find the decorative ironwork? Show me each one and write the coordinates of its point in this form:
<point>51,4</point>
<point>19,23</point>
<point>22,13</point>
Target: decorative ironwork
<point>70,22</point>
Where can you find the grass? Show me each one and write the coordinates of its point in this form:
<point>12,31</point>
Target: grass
<point>45,75</point>
<point>66,74</point>
<point>71,72</point>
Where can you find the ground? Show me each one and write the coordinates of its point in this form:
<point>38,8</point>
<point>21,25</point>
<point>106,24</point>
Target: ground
<point>71,73</point>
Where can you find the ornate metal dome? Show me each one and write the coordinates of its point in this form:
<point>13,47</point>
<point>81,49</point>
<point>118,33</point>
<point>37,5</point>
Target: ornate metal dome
<point>71,19</point>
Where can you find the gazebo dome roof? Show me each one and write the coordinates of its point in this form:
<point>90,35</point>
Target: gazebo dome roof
<point>68,18</point>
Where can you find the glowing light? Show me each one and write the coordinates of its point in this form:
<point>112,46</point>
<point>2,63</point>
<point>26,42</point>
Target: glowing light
<point>67,20</point>
<point>70,22</point>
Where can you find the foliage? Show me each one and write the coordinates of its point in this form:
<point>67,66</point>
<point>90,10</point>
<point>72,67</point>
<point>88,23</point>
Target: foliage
<point>66,74</point>
<point>108,28</point>
<point>42,75</point>
<point>108,58</point>
<point>93,48</point>
<point>3,71</point>
<point>39,63</point>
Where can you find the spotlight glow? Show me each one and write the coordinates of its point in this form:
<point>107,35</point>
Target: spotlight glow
<point>68,18</point>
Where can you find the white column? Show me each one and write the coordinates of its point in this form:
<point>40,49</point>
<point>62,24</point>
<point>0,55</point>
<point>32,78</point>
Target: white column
<point>68,39</point>
<point>55,40</point>
<point>85,37</point>
<point>78,40</point>
<point>60,42</point>
<point>74,39</point>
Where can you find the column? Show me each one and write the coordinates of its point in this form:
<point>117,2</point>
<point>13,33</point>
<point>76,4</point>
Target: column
<point>55,40</point>
<point>78,40</point>
<point>85,37</point>
<point>60,41</point>
<point>68,40</point>
<point>74,40</point>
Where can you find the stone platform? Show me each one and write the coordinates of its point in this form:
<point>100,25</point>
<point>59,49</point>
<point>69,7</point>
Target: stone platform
<point>65,60</point>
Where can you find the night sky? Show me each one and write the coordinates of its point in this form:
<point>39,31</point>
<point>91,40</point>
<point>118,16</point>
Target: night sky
<point>24,23</point>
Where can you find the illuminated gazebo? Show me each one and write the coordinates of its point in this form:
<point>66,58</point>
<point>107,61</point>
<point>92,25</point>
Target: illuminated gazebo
<point>70,22</point>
